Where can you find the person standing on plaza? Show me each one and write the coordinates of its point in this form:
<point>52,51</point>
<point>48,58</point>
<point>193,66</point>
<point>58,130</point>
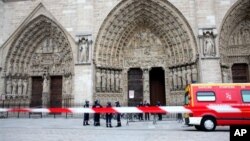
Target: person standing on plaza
<point>117,104</point>
<point>108,116</point>
<point>97,115</point>
<point>146,104</point>
<point>159,114</point>
<point>86,115</point>
<point>140,115</point>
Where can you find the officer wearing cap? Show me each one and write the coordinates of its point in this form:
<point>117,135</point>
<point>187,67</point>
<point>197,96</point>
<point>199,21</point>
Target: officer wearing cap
<point>86,115</point>
<point>108,116</point>
<point>117,104</point>
<point>97,115</point>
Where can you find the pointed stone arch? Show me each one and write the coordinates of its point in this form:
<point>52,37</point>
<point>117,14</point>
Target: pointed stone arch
<point>40,47</point>
<point>234,38</point>
<point>173,45</point>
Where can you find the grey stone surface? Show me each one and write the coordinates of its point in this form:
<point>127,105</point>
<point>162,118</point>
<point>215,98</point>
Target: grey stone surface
<point>60,129</point>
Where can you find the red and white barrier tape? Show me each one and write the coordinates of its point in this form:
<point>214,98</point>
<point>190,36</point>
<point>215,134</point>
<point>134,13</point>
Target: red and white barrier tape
<point>160,109</point>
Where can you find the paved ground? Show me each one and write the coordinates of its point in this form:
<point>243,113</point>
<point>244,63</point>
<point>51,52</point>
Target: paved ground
<point>61,129</point>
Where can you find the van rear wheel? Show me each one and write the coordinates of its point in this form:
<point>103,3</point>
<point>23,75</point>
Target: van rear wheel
<point>208,124</point>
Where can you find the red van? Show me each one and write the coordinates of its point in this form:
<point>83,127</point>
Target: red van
<point>217,104</point>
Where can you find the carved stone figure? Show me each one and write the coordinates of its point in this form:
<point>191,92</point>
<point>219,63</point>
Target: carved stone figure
<point>189,75</point>
<point>25,86</point>
<point>194,74</point>
<point>14,86</point>
<point>108,80</point>
<point>179,78</point>
<point>184,79</point>
<point>175,75</point>
<point>83,51</point>
<point>170,80</point>
<point>116,81</point>
<point>104,80</point>
<point>45,84</point>
<point>8,86</point>
<point>20,87</point>
<point>98,80</point>
<point>209,48</point>
<point>112,81</point>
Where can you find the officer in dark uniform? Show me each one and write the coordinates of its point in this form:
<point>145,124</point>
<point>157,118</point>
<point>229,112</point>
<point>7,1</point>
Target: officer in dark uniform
<point>97,115</point>
<point>159,114</point>
<point>117,104</point>
<point>146,104</point>
<point>108,116</point>
<point>86,115</point>
<point>140,115</point>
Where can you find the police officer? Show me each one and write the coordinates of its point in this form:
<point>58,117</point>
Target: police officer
<point>146,104</point>
<point>86,115</point>
<point>117,104</point>
<point>108,116</point>
<point>97,115</point>
<point>159,114</point>
<point>140,115</point>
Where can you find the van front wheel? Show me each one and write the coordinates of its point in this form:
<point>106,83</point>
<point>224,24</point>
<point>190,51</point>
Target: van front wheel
<point>208,124</point>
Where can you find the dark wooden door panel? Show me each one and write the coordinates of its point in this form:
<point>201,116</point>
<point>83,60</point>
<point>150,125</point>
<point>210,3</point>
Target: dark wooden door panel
<point>135,83</point>
<point>157,86</point>
<point>240,73</point>
<point>36,94</point>
<point>56,91</point>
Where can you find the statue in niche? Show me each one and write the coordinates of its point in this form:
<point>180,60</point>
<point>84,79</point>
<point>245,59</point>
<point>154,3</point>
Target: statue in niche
<point>189,75</point>
<point>83,50</point>
<point>116,81</point>
<point>108,80</point>
<point>179,77</point>
<point>170,80</point>
<point>103,80</point>
<point>45,83</point>
<point>8,86</point>
<point>184,80</point>
<point>120,81</point>
<point>112,79</point>
<point>20,87</point>
<point>14,86</point>
<point>209,47</point>
<point>194,74</point>
<point>98,80</point>
<point>25,86</point>
<point>225,77</point>
<point>175,78</point>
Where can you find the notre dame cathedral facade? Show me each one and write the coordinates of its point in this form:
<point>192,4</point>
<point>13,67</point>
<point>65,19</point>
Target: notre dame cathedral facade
<point>57,53</point>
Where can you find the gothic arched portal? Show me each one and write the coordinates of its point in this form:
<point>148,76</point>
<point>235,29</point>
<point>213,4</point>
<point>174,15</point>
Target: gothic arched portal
<point>234,41</point>
<point>40,56</point>
<point>143,34</point>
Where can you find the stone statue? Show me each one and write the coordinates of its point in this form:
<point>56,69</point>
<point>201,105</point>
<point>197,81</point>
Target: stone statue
<point>120,81</point>
<point>116,81</point>
<point>98,80</point>
<point>170,81</point>
<point>189,75</point>
<point>45,84</point>
<point>83,50</point>
<point>108,80</point>
<point>209,48</point>
<point>112,81</point>
<point>175,78</point>
<point>25,86</point>
<point>8,86</point>
<point>184,79</point>
<point>104,80</point>
<point>14,86</point>
<point>179,78</point>
<point>194,74</point>
<point>20,87</point>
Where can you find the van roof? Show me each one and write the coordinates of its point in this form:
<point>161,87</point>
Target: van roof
<point>220,84</point>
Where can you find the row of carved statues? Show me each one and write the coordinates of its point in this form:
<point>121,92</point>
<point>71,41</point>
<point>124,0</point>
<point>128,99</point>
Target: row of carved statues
<point>181,76</point>
<point>16,86</point>
<point>108,80</point>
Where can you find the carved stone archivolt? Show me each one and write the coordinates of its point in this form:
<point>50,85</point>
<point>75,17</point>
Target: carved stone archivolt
<point>133,37</point>
<point>234,39</point>
<point>40,47</point>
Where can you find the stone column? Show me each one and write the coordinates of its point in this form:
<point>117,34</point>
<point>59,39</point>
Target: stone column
<point>124,74</point>
<point>146,94</point>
